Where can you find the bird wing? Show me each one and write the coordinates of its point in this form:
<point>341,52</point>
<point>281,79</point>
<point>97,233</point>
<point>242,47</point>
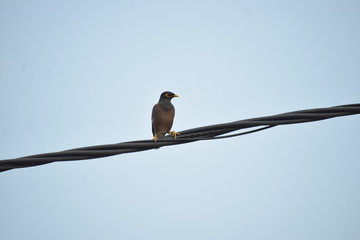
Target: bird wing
<point>154,114</point>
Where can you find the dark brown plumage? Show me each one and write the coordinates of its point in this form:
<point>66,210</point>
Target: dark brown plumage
<point>163,116</point>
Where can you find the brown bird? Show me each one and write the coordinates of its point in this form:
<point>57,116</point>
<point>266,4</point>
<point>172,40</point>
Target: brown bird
<point>163,116</point>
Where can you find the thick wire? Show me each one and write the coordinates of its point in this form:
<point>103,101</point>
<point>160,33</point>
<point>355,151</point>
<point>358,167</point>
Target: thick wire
<point>211,132</point>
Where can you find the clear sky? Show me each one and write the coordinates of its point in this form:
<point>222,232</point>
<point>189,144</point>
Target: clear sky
<point>82,73</point>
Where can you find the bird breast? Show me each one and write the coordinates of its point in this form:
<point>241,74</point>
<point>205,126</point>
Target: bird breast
<point>162,118</point>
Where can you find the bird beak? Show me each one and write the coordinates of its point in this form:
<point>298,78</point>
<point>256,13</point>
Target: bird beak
<point>176,95</point>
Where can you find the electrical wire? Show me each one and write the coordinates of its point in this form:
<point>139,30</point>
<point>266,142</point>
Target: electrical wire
<point>212,132</point>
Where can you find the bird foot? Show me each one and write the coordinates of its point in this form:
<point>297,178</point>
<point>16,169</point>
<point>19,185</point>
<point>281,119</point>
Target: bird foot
<point>155,138</point>
<point>174,134</point>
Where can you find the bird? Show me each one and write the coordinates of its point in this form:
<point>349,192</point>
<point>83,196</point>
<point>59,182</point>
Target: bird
<point>162,116</point>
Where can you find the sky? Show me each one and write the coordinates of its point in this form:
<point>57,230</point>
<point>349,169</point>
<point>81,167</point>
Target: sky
<point>84,73</point>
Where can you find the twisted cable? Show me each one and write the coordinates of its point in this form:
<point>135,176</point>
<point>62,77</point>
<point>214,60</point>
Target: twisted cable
<point>211,132</point>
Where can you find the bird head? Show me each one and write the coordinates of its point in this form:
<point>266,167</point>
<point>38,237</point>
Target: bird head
<point>167,95</point>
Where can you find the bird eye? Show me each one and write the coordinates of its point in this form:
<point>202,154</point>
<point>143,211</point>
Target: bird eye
<point>167,95</point>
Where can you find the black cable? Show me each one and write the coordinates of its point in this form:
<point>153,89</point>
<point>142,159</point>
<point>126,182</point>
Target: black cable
<point>211,132</point>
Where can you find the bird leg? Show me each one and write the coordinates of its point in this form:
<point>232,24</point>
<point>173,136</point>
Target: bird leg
<point>155,137</point>
<point>174,134</point>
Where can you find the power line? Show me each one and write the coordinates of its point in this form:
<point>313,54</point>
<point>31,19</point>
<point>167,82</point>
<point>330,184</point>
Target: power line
<point>210,132</point>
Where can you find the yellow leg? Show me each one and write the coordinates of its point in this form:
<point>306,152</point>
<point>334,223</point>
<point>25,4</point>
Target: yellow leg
<point>155,137</point>
<point>174,134</point>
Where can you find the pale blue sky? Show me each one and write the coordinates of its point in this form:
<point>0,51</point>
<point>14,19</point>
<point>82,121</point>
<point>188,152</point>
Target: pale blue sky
<point>82,73</point>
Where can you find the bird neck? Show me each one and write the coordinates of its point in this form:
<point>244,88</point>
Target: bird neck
<point>165,104</point>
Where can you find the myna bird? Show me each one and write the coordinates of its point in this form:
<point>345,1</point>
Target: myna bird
<point>163,116</point>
